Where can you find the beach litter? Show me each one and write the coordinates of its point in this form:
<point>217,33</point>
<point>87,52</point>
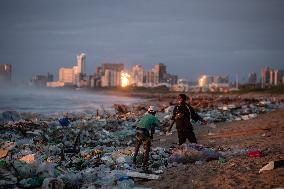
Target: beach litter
<point>272,165</point>
<point>191,153</point>
<point>94,151</point>
<point>256,153</point>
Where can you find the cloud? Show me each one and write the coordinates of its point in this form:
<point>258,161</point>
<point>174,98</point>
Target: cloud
<point>191,37</point>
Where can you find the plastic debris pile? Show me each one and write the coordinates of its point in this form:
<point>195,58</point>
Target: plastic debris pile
<point>237,111</point>
<point>94,151</point>
<point>78,153</point>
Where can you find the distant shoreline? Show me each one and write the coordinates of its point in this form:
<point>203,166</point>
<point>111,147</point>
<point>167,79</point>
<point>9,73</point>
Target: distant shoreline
<point>173,95</point>
<point>161,93</point>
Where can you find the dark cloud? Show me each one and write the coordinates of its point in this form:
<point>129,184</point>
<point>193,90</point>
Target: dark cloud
<point>190,37</point>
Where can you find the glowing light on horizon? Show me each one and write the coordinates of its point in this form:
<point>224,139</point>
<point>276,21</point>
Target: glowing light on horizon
<point>124,79</point>
<point>202,81</point>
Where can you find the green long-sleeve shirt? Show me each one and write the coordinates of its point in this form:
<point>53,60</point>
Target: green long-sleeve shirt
<point>148,122</point>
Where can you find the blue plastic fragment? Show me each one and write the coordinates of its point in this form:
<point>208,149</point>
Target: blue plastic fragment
<point>64,122</point>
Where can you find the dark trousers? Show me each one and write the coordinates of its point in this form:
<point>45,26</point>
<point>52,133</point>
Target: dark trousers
<point>142,137</point>
<point>186,133</point>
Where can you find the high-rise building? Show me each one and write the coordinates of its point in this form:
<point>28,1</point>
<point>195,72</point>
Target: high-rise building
<point>265,76</point>
<point>71,76</point>
<point>137,75</point>
<point>110,74</point>
<point>66,75</point>
<point>5,73</point>
<point>81,59</point>
<point>252,78</point>
<point>271,77</point>
<point>160,71</point>
<point>151,79</point>
<point>111,78</point>
<point>161,75</point>
<point>278,76</point>
<point>111,66</point>
<point>113,75</point>
<point>79,69</point>
<point>156,76</point>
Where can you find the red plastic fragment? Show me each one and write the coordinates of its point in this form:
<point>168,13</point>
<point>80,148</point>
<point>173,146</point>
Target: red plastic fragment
<point>256,153</point>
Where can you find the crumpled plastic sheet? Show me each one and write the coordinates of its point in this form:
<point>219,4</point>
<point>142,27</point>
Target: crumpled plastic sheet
<point>190,153</point>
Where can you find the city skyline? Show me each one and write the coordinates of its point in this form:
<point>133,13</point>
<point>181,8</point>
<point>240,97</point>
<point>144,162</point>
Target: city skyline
<point>192,38</point>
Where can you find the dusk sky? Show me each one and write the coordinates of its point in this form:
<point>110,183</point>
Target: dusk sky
<point>192,37</point>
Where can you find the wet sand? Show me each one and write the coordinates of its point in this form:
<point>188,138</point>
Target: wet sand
<point>265,133</point>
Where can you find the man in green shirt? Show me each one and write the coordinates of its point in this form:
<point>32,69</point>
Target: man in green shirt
<point>144,134</point>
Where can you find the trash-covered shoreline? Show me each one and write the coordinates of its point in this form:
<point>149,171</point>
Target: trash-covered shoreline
<point>95,150</point>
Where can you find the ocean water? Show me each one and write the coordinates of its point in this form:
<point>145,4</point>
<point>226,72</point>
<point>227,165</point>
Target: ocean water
<point>53,101</point>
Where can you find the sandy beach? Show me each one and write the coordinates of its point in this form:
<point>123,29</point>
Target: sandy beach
<point>98,149</point>
<point>265,133</point>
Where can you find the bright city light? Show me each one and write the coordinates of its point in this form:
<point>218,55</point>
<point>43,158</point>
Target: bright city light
<point>124,79</point>
<point>202,81</point>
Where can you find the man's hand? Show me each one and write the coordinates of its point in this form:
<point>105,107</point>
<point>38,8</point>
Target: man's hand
<point>168,129</point>
<point>168,133</point>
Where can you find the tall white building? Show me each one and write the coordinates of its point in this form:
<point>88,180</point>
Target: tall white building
<point>81,59</point>
<point>72,76</point>
<point>79,69</point>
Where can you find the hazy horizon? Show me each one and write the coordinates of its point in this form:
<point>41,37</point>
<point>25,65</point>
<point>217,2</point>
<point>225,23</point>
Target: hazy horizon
<point>190,37</point>
<point>52,100</point>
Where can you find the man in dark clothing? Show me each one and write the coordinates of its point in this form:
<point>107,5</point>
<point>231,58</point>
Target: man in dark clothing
<point>182,115</point>
<point>144,134</point>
